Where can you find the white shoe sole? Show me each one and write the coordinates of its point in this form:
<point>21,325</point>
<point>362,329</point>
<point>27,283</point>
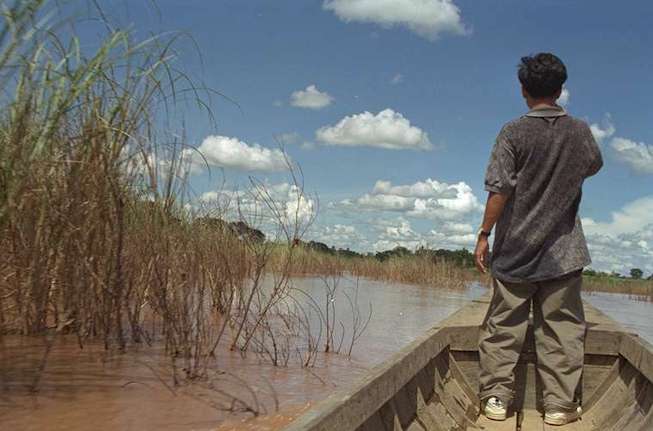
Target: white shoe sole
<point>563,420</point>
<point>495,416</point>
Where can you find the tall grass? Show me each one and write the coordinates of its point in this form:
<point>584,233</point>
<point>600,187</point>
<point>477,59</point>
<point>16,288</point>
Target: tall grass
<point>96,235</point>
<point>638,289</point>
<point>411,269</point>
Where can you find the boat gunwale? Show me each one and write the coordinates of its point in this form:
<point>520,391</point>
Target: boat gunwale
<point>343,408</point>
<point>349,408</point>
<point>397,370</point>
<point>639,353</point>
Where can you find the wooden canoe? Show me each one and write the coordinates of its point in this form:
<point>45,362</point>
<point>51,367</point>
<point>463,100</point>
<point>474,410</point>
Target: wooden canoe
<point>431,384</point>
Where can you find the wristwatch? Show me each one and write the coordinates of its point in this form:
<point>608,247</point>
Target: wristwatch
<point>485,233</point>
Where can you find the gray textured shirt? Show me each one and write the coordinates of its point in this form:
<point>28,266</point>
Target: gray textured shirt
<point>540,161</point>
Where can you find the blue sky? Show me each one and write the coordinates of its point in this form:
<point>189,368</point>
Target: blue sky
<point>391,107</point>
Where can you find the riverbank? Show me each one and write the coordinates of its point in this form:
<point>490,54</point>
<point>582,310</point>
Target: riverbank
<point>424,267</point>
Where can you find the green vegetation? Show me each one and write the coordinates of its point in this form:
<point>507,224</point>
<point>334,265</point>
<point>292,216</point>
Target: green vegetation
<point>635,274</point>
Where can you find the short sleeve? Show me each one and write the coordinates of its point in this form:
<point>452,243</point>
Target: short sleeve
<point>501,175</point>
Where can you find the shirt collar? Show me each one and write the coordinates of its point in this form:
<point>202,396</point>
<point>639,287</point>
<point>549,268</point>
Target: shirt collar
<point>547,111</point>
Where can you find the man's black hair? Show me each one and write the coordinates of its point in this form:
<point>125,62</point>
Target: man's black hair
<point>542,75</point>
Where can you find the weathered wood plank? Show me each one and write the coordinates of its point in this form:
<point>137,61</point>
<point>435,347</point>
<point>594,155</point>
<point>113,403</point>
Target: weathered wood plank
<point>373,423</point>
<point>638,415</point>
<point>470,315</point>
<point>415,426</point>
<point>509,424</point>
<point>530,420</point>
<point>468,364</point>
<point>445,394</point>
<point>426,416</point>
<point>348,409</point>
<point>639,353</point>
<point>460,377</point>
<point>594,374</point>
<point>405,402</point>
<point>389,417</point>
<point>609,378</point>
<point>437,411</point>
<point>605,411</point>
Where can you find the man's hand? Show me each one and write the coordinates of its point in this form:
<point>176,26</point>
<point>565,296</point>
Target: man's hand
<point>481,253</point>
<point>493,209</point>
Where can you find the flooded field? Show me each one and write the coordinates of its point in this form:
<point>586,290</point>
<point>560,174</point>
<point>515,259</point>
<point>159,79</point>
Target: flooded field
<point>87,388</point>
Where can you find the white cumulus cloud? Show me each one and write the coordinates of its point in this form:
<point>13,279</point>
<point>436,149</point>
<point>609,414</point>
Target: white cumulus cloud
<point>464,202</point>
<point>387,129</point>
<point>629,219</point>
<point>461,228</point>
<point>310,98</point>
<point>339,235</point>
<point>563,100</point>
<point>427,18</point>
<point>385,202</point>
<point>398,233</point>
<point>637,155</point>
<point>604,131</point>
<point>429,199</point>
<point>401,233</point>
<point>227,152</point>
<point>422,189</point>
<point>267,204</point>
<point>622,252</point>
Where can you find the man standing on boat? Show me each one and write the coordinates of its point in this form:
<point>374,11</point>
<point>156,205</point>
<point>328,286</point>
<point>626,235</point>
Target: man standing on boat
<point>534,179</point>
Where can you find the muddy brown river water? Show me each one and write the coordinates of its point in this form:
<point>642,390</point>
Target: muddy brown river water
<point>89,389</point>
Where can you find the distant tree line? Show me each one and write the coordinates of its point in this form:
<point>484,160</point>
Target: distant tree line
<point>239,228</point>
<point>635,274</point>
<point>462,257</point>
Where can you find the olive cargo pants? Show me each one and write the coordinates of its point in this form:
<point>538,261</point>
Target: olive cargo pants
<point>559,330</point>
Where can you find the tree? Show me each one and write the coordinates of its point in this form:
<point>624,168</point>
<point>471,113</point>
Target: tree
<point>636,273</point>
<point>590,272</point>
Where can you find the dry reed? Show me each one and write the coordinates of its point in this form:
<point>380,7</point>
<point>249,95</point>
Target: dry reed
<point>96,234</point>
<point>413,269</point>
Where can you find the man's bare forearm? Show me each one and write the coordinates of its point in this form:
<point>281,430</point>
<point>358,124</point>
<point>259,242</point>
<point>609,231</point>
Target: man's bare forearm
<point>493,209</point>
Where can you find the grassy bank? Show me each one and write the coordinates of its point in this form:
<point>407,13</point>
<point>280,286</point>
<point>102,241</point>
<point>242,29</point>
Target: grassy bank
<point>643,289</point>
<point>435,268</point>
<point>425,269</point>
